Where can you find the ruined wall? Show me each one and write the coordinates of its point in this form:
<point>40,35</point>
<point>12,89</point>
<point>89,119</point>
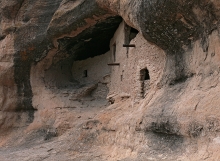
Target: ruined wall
<point>96,68</point>
<point>126,78</point>
<point>94,71</point>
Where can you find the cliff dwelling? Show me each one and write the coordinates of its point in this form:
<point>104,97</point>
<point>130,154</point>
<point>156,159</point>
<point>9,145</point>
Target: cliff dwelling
<point>105,69</point>
<point>111,71</point>
<point>107,80</point>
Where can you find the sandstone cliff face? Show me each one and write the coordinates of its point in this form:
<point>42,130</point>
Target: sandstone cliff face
<point>52,102</point>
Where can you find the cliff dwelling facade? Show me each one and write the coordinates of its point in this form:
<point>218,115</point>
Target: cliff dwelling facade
<point>107,80</point>
<point>124,70</point>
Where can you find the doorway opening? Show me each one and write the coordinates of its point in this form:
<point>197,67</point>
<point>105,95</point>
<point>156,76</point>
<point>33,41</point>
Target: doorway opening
<point>144,73</point>
<point>85,73</point>
<point>144,81</point>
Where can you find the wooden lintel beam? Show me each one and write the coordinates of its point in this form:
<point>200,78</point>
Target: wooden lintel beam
<point>112,64</point>
<point>129,45</point>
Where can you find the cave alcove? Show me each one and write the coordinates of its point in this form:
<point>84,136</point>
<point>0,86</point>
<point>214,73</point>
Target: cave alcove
<point>73,51</point>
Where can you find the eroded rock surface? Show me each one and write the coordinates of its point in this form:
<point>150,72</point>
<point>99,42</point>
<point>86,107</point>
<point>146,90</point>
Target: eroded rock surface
<point>60,60</point>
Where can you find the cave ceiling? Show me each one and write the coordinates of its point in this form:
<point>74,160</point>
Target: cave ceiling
<point>92,41</point>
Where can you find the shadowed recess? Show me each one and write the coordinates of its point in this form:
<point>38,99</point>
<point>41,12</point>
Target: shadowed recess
<point>92,41</point>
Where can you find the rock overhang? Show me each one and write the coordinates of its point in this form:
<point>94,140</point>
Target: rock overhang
<point>167,24</point>
<point>83,29</point>
<point>92,41</point>
<point>174,24</point>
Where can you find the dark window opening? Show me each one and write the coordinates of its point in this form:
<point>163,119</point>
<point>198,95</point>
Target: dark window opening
<point>145,75</point>
<point>133,33</point>
<point>85,73</point>
<point>114,52</point>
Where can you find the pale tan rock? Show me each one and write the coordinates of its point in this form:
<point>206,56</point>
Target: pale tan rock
<point>60,60</point>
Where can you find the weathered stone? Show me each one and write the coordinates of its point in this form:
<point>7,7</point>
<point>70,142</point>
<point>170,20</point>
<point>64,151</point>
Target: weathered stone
<point>54,75</point>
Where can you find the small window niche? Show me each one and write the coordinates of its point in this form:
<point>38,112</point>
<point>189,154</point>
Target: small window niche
<point>133,34</point>
<point>85,73</point>
<point>144,73</point>
<point>114,52</point>
<point>144,82</point>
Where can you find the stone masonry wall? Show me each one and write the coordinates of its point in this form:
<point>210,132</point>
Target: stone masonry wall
<point>125,78</point>
<point>96,68</point>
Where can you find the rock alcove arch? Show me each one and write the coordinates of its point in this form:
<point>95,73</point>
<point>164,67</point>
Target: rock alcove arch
<point>76,63</point>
